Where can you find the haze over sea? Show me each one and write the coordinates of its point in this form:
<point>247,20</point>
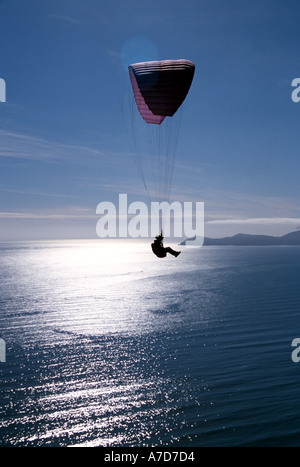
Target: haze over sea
<point>109,346</point>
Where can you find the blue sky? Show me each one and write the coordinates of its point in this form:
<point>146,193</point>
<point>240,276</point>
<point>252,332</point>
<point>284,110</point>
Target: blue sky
<point>63,147</point>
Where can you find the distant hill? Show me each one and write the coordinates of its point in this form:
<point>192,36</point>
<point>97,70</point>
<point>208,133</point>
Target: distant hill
<point>253,240</point>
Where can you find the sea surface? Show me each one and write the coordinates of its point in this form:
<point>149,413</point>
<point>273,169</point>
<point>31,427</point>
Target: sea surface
<point>106,345</point>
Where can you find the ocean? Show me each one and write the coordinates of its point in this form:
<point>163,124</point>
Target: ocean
<point>106,345</point>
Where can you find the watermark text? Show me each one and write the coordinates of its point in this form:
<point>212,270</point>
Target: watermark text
<point>2,90</point>
<point>296,352</point>
<point>136,220</point>
<point>2,351</point>
<point>296,91</point>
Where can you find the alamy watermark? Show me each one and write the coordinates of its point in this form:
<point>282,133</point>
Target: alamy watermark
<point>296,91</point>
<point>296,352</point>
<point>2,90</point>
<point>2,351</point>
<point>136,220</point>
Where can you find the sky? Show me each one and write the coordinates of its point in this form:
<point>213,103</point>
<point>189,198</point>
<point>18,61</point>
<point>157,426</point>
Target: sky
<point>63,143</point>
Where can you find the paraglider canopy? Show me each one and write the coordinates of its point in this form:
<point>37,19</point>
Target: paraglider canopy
<point>160,87</point>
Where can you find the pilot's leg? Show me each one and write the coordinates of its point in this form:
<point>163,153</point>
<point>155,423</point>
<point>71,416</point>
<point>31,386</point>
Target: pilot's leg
<point>172,252</point>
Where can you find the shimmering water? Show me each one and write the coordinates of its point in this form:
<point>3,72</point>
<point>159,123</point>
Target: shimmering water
<point>109,346</point>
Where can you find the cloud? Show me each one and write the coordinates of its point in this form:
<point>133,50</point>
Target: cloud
<point>257,221</point>
<point>8,189</point>
<point>22,146</point>
<point>73,212</point>
<point>67,19</point>
<point>242,207</point>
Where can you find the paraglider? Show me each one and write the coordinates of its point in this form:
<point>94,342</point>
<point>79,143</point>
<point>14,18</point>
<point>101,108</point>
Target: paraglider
<point>159,89</point>
<point>159,250</point>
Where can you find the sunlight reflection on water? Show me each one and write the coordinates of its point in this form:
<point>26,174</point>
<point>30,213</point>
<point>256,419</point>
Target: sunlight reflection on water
<point>98,287</point>
<point>85,320</point>
<point>109,346</point>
